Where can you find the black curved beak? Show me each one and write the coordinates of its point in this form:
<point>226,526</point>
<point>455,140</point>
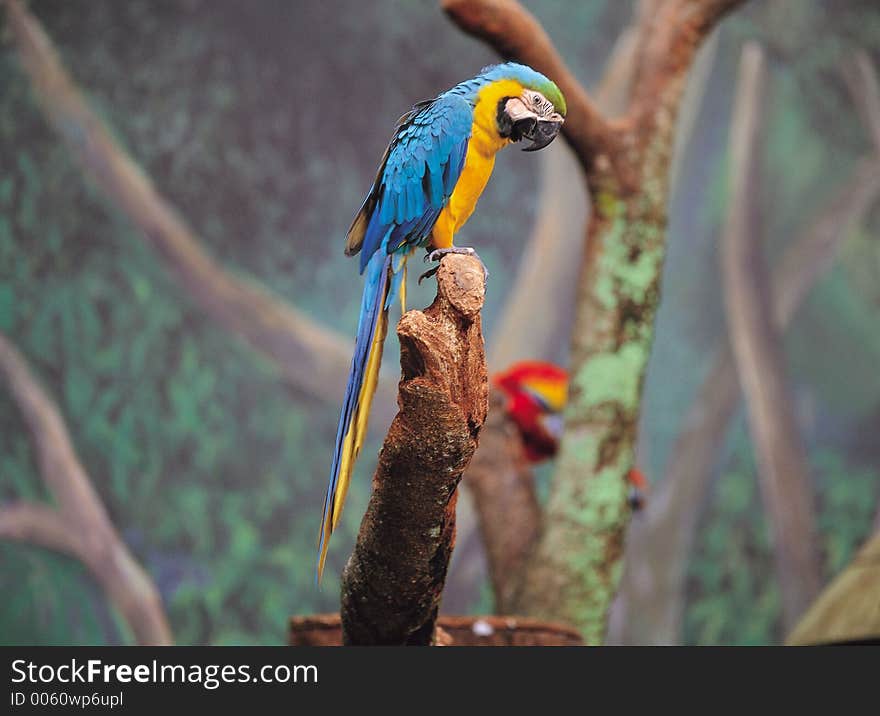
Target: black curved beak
<point>540,131</point>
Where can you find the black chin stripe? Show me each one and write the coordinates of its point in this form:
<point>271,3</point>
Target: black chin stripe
<point>505,125</point>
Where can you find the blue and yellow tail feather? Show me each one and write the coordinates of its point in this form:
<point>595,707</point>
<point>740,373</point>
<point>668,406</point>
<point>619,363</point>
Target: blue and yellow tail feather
<point>382,284</point>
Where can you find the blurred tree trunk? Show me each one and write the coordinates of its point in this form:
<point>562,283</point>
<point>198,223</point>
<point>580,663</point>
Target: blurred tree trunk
<point>692,102</point>
<point>782,463</point>
<point>573,572</point>
<point>659,544</point>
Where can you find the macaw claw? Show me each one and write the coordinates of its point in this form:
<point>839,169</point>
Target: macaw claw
<point>428,274</point>
<point>438,254</point>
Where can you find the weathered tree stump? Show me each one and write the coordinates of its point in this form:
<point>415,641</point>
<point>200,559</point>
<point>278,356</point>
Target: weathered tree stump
<point>392,584</point>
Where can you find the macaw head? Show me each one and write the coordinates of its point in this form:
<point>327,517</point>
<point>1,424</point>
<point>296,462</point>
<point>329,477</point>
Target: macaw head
<point>536,393</point>
<point>536,113</point>
<point>526,104</point>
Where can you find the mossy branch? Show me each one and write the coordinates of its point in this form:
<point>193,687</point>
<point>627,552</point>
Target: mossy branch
<point>651,603</point>
<point>516,34</point>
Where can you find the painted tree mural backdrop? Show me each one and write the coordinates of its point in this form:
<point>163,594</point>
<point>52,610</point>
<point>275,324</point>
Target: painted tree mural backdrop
<point>210,458</point>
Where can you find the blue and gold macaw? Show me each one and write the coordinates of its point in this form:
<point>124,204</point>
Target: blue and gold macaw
<point>434,170</point>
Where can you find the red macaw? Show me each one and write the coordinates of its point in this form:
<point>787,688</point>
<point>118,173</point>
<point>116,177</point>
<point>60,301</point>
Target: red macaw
<point>536,393</point>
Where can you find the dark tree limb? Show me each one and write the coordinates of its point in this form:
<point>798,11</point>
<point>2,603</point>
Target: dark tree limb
<point>79,526</point>
<point>676,30</point>
<point>312,358</point>
<point>783,474</point>
<point>392,584</point>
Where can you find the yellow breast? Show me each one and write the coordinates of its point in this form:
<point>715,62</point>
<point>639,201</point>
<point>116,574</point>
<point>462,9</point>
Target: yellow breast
<point>478,164</point>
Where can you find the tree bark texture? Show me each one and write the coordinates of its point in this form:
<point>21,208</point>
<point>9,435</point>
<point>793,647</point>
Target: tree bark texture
<point>546,280</point>
<point>848,610</point>
<point>392,584</point>
<point>651,602</point>
<point>783,474</point>
<point>573,573</point>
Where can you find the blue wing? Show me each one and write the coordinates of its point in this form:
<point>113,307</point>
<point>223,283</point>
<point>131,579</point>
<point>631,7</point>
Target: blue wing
<point>416,178</point>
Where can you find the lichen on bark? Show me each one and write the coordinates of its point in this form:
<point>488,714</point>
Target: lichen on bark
<point>587,511</point>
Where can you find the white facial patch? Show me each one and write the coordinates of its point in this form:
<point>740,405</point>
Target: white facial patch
<point>516,109</point>
<point>542,106</point>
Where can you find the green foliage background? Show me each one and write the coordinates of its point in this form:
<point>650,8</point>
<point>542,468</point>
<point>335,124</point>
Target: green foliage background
<point>263,122</point>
